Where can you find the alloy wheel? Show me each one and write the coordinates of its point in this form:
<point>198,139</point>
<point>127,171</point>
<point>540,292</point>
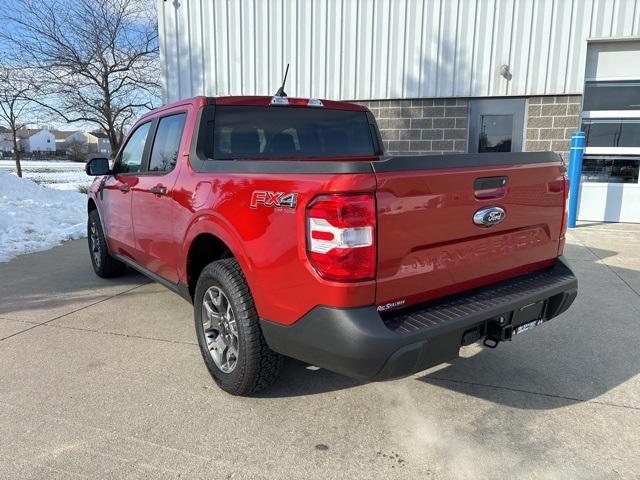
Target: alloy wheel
<point>220,329</point>
<point>95,244</point>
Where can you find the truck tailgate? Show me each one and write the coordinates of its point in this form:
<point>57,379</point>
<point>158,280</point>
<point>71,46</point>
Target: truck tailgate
<point>428,243</point>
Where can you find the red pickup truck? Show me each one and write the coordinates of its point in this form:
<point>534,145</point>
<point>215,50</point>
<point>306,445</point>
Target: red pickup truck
<point>293,234</point>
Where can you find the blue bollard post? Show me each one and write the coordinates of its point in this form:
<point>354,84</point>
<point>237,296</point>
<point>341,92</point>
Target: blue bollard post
<point>575,170</point>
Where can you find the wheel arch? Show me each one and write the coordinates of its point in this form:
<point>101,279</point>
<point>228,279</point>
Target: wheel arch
<point>204,249</point>
<point>207,241</point>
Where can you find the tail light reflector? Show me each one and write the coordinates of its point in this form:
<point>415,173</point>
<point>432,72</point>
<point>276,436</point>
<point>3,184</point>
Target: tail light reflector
<point>565,215</point>
<point>341,237</point>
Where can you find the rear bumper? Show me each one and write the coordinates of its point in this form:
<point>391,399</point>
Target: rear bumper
<point>360,343</point>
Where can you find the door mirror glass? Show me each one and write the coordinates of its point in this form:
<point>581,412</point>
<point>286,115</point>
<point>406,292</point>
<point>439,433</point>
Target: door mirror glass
<point>97,166</point>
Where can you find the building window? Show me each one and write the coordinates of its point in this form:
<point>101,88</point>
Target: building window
<point>619,95</point>
<point>496,125</point>
<point>611,122</point>
<point>610,169</point>
<point>495,133</point>
<point>612,132</point>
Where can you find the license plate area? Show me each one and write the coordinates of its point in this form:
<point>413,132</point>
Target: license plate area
<point>528,317</point>
<point>527,326</point>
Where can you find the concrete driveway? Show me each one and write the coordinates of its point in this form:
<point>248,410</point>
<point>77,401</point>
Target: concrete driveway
<point>103,379</point>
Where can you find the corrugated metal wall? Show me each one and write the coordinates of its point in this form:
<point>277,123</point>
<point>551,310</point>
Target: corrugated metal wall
<point>373,49</point>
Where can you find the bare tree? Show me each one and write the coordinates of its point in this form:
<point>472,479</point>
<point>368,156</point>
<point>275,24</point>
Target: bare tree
<point>96,60</point>
<point>14,106</point>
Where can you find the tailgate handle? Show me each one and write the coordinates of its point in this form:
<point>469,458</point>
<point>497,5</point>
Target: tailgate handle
<point>490,187</point>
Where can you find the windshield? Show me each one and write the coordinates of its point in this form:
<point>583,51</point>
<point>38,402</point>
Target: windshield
<point>290,132</point>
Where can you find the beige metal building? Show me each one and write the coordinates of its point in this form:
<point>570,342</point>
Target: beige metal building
<point>440,75</point>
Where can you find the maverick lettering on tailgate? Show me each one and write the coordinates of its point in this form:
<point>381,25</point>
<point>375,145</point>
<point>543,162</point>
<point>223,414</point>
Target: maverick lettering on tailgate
<point>467,254</point>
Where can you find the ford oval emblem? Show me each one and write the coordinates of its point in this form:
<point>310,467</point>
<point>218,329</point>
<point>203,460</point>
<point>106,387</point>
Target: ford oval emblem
<point>489,216</point>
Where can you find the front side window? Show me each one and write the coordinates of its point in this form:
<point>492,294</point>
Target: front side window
<point>290,132</point>
<point>166,144</point>
<point>131,159</point>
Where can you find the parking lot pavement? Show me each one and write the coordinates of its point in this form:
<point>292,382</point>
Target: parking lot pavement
<point>103,379</point>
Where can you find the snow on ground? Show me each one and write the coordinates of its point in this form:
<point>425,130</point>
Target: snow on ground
<point>35,218</point>
<point>59,174</point>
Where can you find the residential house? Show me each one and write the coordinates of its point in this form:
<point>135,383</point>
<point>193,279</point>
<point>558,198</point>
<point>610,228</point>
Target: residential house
<point>6,143</point>
<point>67,138</point>
<point>33,140</point>
<point>104,145</point>
<point>61,137</point>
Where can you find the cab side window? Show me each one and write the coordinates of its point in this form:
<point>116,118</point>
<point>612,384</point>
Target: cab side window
<point>131,158</point>
<point>166,143</point>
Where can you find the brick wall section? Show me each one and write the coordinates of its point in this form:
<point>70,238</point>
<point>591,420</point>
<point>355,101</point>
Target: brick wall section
<point>550,122</point>
<point>419,127</point>
<point>432,126</point>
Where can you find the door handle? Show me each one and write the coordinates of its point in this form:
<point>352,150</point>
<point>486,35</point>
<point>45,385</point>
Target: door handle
<point>158,190</point>
<point>124,187</point>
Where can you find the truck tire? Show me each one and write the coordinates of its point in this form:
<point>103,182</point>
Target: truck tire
<point>103,263</point>
<point>228,330</point>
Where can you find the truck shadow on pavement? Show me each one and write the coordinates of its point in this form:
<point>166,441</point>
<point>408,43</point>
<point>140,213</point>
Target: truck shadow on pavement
<point>578,357</point>
<point>298,379</point>
<point>57,299</point>
<point>43,285</point>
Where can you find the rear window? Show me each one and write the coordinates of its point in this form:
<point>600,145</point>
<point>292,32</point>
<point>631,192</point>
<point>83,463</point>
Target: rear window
<point>290,132</point>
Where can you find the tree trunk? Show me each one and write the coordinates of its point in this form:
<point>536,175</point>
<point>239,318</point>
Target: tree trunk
<point>16,155</point>
<point>113,141</point>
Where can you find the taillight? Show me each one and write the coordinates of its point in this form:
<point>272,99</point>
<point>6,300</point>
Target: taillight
<point>565,215</point>
<point>341,237</point>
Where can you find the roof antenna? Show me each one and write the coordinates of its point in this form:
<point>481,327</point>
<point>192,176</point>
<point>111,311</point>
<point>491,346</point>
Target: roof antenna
<point>281,92</point>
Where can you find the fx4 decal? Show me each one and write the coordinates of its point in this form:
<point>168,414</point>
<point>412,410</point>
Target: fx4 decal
<point>273,199</point>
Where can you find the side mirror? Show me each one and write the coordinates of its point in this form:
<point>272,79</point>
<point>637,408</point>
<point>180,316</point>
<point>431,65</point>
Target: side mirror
<point>97,166</point>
